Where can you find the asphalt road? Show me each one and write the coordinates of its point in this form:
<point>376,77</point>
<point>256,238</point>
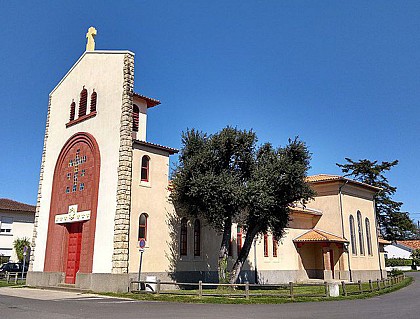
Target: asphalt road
<point>25,303</point>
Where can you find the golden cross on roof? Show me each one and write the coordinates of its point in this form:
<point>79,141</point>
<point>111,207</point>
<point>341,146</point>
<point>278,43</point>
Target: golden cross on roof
<point>90,36</point>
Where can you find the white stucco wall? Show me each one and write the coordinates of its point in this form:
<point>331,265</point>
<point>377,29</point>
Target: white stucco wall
<point>394,251</point>
<point>141,134</point>
<point>102,71</point>
<point>22,226</point>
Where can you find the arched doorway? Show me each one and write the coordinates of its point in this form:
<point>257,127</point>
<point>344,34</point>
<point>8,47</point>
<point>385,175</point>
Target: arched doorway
<point>74,199</point>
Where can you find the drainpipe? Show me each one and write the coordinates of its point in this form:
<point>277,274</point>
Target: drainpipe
<point>342,225</point>
<point>377,237</point>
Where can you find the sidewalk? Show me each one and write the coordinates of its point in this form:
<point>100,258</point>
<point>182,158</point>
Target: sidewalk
<point>41,294</point>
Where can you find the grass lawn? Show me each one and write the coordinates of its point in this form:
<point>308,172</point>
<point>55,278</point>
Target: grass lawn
<point>226,296</point>
<point>3,283</point>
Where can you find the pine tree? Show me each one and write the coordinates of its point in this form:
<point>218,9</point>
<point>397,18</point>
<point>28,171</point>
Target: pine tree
<point>394,224</point>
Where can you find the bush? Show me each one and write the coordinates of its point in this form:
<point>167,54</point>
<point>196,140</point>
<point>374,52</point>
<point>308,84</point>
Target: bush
<point>395,272</point>
<point>392,262</point>
<point>415,254</point>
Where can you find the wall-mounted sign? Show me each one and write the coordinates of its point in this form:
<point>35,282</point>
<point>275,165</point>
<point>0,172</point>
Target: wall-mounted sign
<point>72,216</point>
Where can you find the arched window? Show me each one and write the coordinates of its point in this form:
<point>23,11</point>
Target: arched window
<point>360,229</point>
<point>265,245</point>
<point>136,112</point>
<point>145,168</point>
<point>93,99</point>
<point>83,102</point>
<point>183,238</point>
<point>197,235</point>
<point>72,111</point>
<point>368,236</point>
<point>353,236</point>
<point>143,226</point>
<point>238,239</point>
<point>274,246</point>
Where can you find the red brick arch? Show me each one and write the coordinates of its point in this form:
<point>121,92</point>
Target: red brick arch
<point>85,147</point>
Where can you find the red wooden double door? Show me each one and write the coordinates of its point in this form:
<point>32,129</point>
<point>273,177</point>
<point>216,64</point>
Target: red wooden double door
<point>73,251</point>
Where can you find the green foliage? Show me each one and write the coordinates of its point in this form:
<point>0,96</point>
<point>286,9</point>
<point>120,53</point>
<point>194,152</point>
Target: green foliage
<point>394,224</point>
<point>277,181</point>
<point>225,178</point>
<point>19,245</point>
<point>393,262</point>
<point>210,180</point>
<point>415,254</point>
<point>3,259</point>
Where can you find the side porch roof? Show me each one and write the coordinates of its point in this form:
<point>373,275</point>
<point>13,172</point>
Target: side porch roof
<point>319,236</point>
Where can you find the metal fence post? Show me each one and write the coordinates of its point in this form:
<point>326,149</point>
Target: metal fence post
<point>343,285</point>
<point>378,284</point>
<point>360,286</point>
<point>326,288</point>
<point>200,289</point>
<point>370,285</point>
<point>247,290</point>
<point>291,289</point>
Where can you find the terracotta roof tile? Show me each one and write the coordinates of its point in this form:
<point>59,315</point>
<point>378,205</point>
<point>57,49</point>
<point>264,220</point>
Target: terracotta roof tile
<point>326,178</point>
<point>322,177</point>
<point>316,235</point>
<point>8,204</point>
<point>305,210</point>
<point>150,102</point>
<point>413,244</point>
<point>170,150</point>
<point>383,241</point>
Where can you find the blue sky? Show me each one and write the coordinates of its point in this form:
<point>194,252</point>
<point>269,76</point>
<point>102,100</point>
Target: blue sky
<point>343,76</point>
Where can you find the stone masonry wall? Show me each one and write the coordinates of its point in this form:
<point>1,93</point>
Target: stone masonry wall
<point>41,177</point>
<point>122,214</point>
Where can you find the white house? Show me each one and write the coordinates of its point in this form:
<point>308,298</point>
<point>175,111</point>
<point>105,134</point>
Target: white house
<point>402,248</point>
<point>16,221</point>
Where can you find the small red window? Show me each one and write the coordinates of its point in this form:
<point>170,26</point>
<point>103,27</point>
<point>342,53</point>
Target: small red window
<point>143,227</point>
<point>197,239</point>
<point>136,112</point>
<point>265,245</point>
<point>275,247</point>
<point>145,168</point>
<point>238,239</point>
<point>93,99</point>
<point>72,111</point>
<point>183,238</point>
<point>83,102</point>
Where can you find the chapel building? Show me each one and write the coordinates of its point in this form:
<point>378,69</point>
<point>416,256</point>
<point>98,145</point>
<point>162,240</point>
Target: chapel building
<point>103,188</point>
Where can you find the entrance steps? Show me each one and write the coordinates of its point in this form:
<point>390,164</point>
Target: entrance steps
<point>65,287</point>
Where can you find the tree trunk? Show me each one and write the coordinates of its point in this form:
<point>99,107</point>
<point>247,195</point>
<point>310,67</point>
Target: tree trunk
<point>224,251</point>
<point>249,239</point>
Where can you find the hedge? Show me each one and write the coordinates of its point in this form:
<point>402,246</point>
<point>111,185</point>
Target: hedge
<point>392,262</point>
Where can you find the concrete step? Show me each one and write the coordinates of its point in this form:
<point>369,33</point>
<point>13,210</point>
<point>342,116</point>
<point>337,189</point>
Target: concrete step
<point>64,287</point>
